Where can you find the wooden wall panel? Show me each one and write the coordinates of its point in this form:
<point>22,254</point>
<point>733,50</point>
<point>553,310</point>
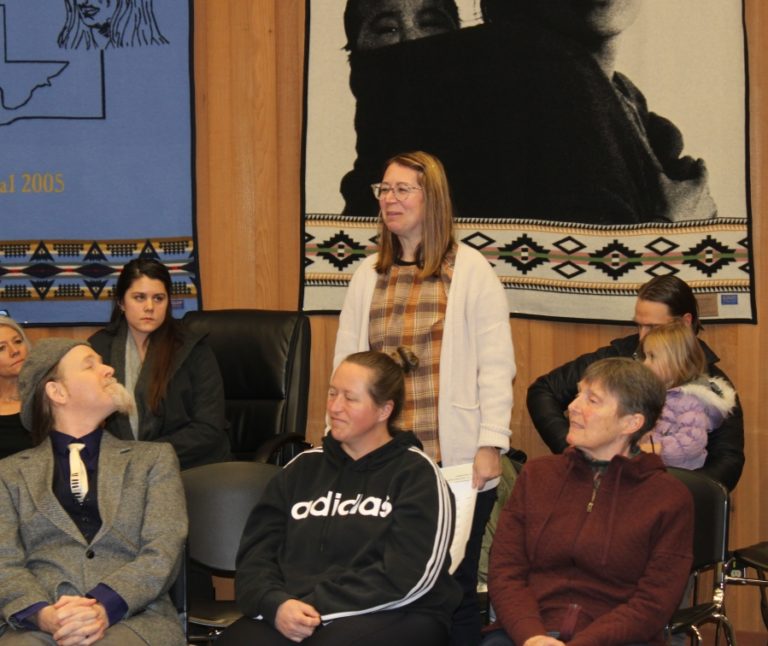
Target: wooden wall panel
<point>290,60</point>
<point>249,66</point>
<point>239,214</point>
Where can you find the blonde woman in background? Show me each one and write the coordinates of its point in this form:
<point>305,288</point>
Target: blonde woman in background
<point>14,347</point>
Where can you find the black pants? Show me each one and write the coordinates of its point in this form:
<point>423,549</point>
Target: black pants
<point>465,630</point>
<point>376,629</point>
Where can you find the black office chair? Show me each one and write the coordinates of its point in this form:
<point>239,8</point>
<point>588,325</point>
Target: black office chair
<point>710,552</point>
<point>264,361</point>
<point>754,557</point>
<point>220,497</point>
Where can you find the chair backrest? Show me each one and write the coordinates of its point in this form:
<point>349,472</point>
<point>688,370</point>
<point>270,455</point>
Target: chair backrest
<point>263,356</point>
<point>711,505</point>
<point>220,497</point>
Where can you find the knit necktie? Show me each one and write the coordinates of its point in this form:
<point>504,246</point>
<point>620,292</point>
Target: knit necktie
<point>78,476</point>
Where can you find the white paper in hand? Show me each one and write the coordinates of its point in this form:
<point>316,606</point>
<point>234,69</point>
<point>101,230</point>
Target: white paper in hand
<point>459,478</point>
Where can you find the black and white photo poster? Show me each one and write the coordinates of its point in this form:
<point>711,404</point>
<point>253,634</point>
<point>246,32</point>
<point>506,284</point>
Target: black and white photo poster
<point>589,146</point>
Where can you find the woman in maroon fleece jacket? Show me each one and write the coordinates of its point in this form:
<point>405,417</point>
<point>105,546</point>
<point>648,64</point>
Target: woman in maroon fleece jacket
<point>594,545</point>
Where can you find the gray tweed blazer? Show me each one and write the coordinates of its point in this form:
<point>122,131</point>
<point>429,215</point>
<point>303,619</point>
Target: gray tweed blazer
<point>136,552</point>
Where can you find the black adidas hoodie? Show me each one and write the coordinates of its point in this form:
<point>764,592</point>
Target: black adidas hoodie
<point>351,537</point>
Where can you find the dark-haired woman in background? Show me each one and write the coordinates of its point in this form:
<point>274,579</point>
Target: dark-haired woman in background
<point>174,375</point>
<point>349,543</point>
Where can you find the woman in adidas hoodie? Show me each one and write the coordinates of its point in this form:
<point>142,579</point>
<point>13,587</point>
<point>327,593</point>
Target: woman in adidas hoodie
<point>351,540</point>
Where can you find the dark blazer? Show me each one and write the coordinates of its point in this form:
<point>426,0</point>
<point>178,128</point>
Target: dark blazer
<point>191,417</point>
<point>136,552</point>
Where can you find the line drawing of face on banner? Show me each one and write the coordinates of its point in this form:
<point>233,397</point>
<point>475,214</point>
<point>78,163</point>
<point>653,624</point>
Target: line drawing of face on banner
<point>99,24</point>
<point>96,14</point>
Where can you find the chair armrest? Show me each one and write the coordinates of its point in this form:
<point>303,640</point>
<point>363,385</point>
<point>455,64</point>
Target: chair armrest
<point>755,556</point>
<point>271,446</point>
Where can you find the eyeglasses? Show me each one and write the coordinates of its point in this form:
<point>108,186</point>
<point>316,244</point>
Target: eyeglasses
<point>401,191</point>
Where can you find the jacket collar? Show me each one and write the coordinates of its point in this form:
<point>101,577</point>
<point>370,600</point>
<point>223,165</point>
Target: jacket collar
<point>401,441</point>
<point>37,473</point>
<point>637,467</point>
<point>117,353</point>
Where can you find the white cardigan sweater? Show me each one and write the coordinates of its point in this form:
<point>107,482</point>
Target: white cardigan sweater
<point>477,359</point>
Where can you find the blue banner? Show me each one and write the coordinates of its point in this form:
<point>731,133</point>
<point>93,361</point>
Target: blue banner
<point>96,152</point>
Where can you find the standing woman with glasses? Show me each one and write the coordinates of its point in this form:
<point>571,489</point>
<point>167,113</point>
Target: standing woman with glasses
<point>443,301</point>
<point>14,348</point>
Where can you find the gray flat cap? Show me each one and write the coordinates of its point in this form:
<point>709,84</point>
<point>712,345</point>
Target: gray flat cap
<point>45,354</point>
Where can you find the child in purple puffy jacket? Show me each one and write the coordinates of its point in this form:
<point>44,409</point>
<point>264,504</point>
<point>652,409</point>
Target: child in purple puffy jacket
<point>696,403</point>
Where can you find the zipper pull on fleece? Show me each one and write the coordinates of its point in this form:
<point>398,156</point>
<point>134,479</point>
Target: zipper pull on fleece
<point>595,486</point>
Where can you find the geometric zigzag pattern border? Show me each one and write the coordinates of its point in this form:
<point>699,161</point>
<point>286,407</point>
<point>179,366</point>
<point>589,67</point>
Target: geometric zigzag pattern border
<point>73,270</point>
<point>575,260</point>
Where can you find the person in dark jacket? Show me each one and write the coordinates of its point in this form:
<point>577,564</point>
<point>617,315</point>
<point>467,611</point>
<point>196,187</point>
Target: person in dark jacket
<point>661,300</point>
<point>594,546</point>
<point>350,543</point>
<point>172,373</point>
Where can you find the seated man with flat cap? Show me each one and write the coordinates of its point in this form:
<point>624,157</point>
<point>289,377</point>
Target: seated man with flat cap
<point>92,527</point>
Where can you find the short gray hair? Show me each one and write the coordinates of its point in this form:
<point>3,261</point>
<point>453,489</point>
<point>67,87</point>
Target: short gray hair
<point>635,386</point>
